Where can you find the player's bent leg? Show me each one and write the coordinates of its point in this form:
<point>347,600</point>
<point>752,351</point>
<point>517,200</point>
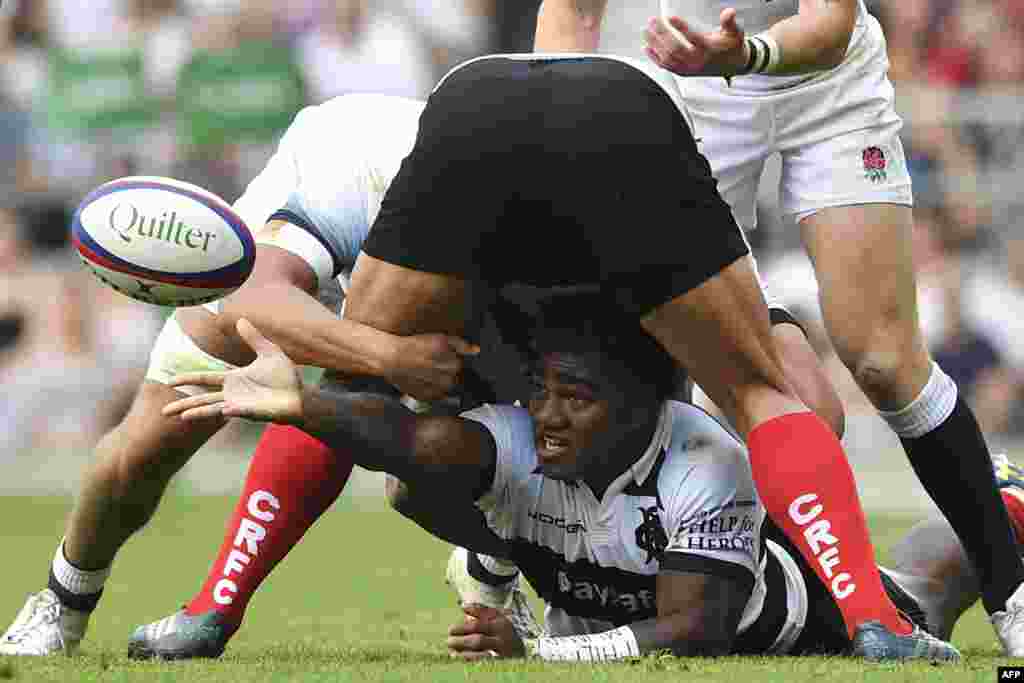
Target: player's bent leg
<point>862,257</point>
<point>806,374</point>
<point>120,491</point>
<point>721,331</point>
<point>132,466</point>
<point>930,564</point>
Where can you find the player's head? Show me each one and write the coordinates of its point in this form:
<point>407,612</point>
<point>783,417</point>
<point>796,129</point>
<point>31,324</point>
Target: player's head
<point>599,382</point>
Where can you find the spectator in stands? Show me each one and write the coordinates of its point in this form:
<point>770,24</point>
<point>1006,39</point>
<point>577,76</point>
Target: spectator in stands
<point>358,47</point>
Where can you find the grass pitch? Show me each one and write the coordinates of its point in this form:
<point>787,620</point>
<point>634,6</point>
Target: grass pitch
<point>361,599</point>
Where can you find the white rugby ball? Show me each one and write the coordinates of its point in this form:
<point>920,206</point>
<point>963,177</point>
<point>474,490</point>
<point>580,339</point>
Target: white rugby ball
<point>163,241</point>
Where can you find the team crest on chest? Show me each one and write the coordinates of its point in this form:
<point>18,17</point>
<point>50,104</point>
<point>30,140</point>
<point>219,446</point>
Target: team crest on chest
<point>875,164</point>
<point>650,535</point>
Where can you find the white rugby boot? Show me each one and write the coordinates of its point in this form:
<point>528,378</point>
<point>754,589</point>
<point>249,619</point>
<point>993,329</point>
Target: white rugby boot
<point>1009,624</point>
<point>508,597</point>
<point>44,627</point>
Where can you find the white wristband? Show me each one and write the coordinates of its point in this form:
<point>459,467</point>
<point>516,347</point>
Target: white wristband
<point>619,643</point>
<point>772,56</point>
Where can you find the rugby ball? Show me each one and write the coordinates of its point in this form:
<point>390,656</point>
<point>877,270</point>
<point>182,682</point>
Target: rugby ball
<point>163,241</point>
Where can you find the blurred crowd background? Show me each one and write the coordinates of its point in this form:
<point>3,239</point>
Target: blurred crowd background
<point>91,90</point>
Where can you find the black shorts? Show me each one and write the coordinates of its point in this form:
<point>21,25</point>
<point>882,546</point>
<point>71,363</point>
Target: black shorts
<point>558,172</point>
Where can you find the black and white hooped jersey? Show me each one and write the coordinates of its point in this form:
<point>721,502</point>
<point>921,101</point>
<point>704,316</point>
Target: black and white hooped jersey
<point>687,504</point>
<point>327,179</point>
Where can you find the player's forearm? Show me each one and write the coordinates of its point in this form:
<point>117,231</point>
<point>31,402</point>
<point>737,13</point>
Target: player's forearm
<point>376,430</point>
<point>816,38</point>
<point>674,633</point>
<point>569,25</point>
<point>308,332</point>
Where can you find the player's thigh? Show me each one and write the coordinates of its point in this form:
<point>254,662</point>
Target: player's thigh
<point>147,446</point>
<point>720,331</point>
<point>146,434</point>
<point>863,259</point>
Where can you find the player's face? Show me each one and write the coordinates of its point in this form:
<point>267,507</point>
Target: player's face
<point>583,406</point>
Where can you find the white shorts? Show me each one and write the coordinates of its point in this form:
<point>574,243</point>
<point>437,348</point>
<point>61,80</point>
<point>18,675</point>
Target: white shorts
<point>837,134</point>
<point>175,353</point>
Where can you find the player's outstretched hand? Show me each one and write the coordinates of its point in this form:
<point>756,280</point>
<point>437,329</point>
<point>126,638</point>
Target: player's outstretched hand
<point>427,366</point>
<point>269,389</point>
<point>484,633</point>
<point>722,52</point>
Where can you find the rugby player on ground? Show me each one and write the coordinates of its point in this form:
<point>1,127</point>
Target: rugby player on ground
<point>808,79</point>
<point>635,517</point>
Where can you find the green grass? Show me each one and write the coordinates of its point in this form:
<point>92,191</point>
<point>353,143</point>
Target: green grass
<point>361,599</point>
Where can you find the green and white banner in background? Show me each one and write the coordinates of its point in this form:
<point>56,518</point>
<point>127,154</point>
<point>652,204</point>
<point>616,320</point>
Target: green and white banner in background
<point>245,94</point>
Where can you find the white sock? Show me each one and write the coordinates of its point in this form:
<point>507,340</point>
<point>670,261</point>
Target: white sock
<point>75,580</point>
<point>496,566</point>
<point>930,409</point>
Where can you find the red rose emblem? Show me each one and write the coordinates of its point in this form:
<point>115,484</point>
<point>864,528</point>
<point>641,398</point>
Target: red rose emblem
<point>874,159</point>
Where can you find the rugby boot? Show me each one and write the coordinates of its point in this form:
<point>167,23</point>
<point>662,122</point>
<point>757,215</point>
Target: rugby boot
<point>181,636</point>
<point>874,642</point>
<point>44,627</point>
<point>508,597</point>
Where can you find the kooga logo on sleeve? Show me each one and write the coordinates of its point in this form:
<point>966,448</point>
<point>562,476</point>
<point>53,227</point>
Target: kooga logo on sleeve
<point>126,221</point>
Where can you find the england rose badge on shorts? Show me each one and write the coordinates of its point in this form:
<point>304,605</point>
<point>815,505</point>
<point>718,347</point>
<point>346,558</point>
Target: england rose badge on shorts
<point>875,164</point>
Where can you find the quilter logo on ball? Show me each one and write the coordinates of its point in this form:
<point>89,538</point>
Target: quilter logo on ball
<point>127,222</point>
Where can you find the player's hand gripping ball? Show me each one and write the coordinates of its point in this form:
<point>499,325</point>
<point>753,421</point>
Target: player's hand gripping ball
<point>163,241</point>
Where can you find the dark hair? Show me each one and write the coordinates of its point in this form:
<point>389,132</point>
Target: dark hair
<point>591,322</point>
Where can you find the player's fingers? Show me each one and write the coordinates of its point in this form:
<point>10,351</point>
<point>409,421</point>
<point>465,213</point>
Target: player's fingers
<point>655,57</point>
<point>463,347</point>
<point>204,412</point>
<point>480,612</point>
<point>474,656</point>
<point>250,412</point>
<point>695,38</point>
<point>185,404</point>
<point>466,627</point>
<point>475,642</point>
<point>659,46</point>
<point>254,338</point>
<point>198,379</point>
<point>727,20</point>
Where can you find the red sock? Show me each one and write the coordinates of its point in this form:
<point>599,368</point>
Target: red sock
<point>293,479</point>
<point>807,486</point>
<point>1013,499</point>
